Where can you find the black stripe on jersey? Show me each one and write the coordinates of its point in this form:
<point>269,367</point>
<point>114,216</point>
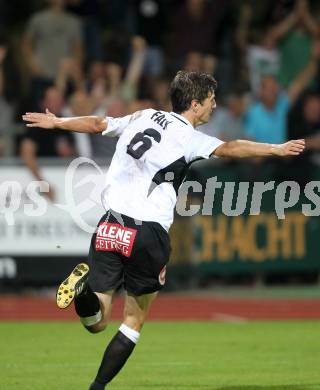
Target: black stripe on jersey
<point>181,120</point>
<point>174,173</point>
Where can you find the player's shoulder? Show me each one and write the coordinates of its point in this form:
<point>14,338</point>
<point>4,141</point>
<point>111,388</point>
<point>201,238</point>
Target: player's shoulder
<point>165,120</point>
<point>172,121</point>
<point>150,113</point>
<point>137,114</point>
<point>145,112</point>
<point>181,122</point>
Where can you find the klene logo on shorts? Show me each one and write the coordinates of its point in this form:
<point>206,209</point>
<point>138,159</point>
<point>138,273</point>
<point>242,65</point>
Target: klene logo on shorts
<point>112,237</point>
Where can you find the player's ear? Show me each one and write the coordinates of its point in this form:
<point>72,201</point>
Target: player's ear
<point>194,105</point>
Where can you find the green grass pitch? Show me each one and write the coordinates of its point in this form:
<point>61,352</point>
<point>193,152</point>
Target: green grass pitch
<point>169,356</point>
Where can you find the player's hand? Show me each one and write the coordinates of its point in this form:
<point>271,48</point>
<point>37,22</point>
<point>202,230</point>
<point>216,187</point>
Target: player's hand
<point>44,120</point>
<point>290,148</point>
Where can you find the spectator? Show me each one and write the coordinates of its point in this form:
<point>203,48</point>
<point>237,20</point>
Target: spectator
<point>110,84</point>
<point>69,77</point>
<point>227,123</point>
<point>102,83</point>
<point>114,14</point>
<point>295,35</point>
<point>89,11</point>
<point>96,73</point>
<point>52,37</point>
<point>101,147</point>
<point>275,50</point>
<point>160,94</point>
<point>130,84</point>
<point>195,61</point>
<point>9,85</point>
<point>151,23</point>
<point>88,145</point>
<point>195,29</point>
<point>262,59</point>
<point>114,92</point>
<point>259,54</point>
<point>4,13</point>
<point>41,143</point>
<point>80,104</point>
<point>304,122</point>
<point>266,119</point>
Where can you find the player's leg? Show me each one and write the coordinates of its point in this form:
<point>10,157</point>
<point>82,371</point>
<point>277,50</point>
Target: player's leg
<point>93,308</point>
<point>106,273</point>
<point>143,273</point>
<point>136,310</point>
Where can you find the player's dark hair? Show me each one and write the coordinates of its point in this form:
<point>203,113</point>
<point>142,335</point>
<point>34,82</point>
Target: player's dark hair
<point>188,86</point>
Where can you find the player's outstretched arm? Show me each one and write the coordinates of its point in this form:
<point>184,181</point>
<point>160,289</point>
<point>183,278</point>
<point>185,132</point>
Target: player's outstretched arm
<point>243,148</point>
<point>80,124</point>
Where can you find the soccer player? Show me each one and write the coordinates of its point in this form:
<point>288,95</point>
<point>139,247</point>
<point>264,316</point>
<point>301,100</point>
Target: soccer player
<point>131,244</point>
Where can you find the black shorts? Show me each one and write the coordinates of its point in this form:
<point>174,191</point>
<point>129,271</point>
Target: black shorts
<point>129,252</point>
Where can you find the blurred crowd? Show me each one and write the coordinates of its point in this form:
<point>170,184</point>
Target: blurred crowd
<point>98,57</point>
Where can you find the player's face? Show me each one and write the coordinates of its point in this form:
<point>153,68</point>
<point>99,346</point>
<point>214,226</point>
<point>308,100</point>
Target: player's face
<point>206,108</point>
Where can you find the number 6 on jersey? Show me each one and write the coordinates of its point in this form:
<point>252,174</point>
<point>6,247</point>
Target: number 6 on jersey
<point>145,143</point>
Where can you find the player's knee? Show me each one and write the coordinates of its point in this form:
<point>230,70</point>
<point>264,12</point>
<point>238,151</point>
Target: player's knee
<point>92,329</point>
<point>96,328</point>
<point>135,321</point>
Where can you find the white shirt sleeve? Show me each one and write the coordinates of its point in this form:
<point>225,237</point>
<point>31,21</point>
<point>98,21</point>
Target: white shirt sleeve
<point>116,126</point>
<point>201,146</point>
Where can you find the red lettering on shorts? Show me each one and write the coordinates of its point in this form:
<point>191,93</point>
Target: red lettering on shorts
<point>112,237</point>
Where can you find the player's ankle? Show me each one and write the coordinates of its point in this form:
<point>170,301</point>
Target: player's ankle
<point>97,386</point>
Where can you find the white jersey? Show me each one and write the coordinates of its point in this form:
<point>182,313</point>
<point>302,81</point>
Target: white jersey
<point>154,151</point>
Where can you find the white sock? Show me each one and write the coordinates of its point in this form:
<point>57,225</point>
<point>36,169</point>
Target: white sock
<point>132,334</point>
<point>92,320</point>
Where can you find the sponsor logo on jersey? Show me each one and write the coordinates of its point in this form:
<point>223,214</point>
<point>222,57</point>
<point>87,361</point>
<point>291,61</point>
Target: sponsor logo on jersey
<point>162,275</point>
<point>112,237</point>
